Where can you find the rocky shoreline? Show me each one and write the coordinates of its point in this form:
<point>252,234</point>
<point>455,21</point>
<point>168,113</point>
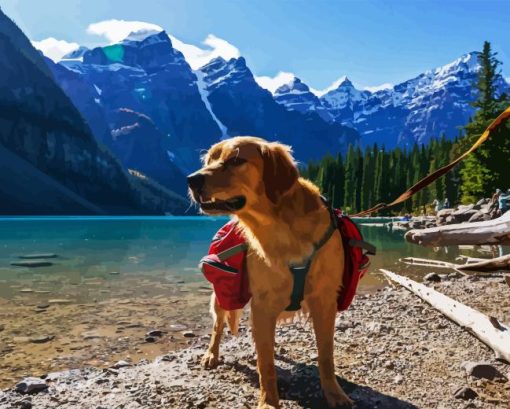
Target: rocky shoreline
<point>392,351</point>
<point>483,210</point>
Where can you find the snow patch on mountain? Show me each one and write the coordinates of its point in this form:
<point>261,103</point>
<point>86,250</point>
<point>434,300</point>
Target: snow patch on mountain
<point>202,89</point>
<point>376,88</point>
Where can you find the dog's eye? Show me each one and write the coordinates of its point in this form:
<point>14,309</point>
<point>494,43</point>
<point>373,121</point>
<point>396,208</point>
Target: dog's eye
<point>234,162</point>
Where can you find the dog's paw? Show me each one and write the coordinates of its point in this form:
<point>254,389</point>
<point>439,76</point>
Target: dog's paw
<point>210,360</point>
<point>263,405</point>
<point>336,397</point>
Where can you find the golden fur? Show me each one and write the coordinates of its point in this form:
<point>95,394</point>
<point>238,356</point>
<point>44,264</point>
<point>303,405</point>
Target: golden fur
<point>282,218</point>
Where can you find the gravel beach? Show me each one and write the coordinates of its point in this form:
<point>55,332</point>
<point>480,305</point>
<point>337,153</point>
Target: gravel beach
<point>392,351</point>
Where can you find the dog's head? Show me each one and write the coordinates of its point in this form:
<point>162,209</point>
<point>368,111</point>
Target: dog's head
<point>241,174</point>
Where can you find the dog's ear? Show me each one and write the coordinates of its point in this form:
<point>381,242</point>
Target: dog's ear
<point>280,171</point>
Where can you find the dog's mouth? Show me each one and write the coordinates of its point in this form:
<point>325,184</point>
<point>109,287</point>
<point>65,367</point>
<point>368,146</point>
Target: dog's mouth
<point>229,205</point>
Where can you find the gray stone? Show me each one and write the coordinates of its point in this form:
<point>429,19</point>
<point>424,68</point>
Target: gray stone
<point>465,393</point>
<point>155,333</point>
<point>41,339</point>
<point>483,370</point>
<point>31,385</point>
<point>432,277</point>
<point>121,364</point>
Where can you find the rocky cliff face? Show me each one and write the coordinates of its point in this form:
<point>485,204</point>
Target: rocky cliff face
<point>145,75</point>
<point>40,125</point>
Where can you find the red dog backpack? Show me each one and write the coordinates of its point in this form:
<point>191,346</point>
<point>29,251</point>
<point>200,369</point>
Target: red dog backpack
<point>225,265</point>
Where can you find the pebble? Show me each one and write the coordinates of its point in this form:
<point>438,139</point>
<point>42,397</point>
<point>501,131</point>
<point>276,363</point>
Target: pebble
<point>155,333</point>
<point>465,393</point>
<point>31,385</point>
<point>480,370</point>
<point>177,327</point>
<point>188,334</point>
<point>432,277</point>
<point>59,301</point>
<point>121,364</point>
<point>41,339</point>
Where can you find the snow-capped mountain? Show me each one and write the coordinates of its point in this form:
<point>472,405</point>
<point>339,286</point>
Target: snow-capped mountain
<point>144,74</point>
<point>245,108</point>
<point>189,109</point>
<point>296,96</point>
<point>184,111</point>
<point>435,102</point>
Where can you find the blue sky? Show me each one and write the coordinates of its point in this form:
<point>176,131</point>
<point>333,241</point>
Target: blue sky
<point>372,42</point>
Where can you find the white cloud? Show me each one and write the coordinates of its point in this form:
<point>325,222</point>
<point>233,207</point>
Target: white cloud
<point>55,49</point>
<point>334,85</point>
<point>273,83</point>
<point>376,88</point>
<point>197,57</point>
<point>117,30</point>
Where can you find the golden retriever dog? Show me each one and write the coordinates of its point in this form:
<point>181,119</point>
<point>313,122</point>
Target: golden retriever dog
<point>282,216</point>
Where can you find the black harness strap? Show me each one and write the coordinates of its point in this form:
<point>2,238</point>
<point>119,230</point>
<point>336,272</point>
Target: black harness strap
<point>299,272</point>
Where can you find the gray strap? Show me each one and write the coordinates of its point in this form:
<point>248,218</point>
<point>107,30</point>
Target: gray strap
<point>232,251</point>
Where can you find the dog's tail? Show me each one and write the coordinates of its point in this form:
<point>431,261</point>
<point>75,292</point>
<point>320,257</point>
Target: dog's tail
<point>231,317</point>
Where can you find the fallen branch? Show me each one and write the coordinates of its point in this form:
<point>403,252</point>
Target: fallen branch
<point>495,231</point>
<point>487,329</point>
<point>425,262</point>
<point>492,264</point>
<point>478,264</point>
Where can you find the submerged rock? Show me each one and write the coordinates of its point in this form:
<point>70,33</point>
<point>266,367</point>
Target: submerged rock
<point>40,255</point>
<point>31,263</point>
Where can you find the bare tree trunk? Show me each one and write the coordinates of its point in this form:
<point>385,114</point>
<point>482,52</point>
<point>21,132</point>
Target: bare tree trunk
<point>487,329</point>
<point>495,231</point>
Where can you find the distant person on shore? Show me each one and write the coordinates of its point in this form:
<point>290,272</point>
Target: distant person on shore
<point>494,204</point>
<point>503,202</point>
<point>437,205</point>
<point>446,204</point>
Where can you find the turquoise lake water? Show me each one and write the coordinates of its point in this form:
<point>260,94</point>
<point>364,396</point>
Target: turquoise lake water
<point>144,252</point>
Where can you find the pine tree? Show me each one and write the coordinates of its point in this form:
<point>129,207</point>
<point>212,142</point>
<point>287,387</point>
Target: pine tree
<point>485,169</point>
<point>350,179</point>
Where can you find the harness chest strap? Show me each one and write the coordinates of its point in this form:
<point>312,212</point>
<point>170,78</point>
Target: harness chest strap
<point>299,272</point>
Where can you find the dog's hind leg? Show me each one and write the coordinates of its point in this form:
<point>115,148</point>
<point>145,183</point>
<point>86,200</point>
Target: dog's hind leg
<point>212,356</point>
<point>323,314</point>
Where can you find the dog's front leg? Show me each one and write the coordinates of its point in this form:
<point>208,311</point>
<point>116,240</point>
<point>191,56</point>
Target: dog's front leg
<point>264,324</point>
<point>323,315</point>
<point>212,356</point>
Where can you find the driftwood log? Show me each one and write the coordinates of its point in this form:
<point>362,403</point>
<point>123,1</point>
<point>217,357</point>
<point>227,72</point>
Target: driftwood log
<point>487,329</point>
<point>495,231</point>
<point>472,264</point>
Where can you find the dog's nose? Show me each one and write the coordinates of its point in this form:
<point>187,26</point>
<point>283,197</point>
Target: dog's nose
<point>196,181</point>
